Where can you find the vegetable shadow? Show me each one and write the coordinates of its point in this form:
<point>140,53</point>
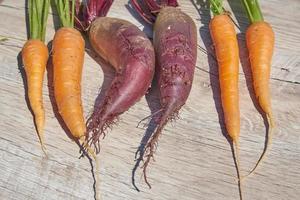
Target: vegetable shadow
<point>240,15</point>
<point>203,8</point>
<point>152,98</point>
<point>55,17</point>
<point>108,72</point>
<point>147,28</point>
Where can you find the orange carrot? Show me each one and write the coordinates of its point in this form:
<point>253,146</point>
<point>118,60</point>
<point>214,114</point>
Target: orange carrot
<point>260,43</point>
<point>35,56</point>
<point>68,54</point>
<point>227,53</point>
<point>226,47</point>
<point>225,43</point>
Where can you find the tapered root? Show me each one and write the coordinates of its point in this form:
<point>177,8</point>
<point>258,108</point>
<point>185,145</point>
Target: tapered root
<point>150,149</point>
<point>92,153</point>
<point>40,133</point>
<point>87,148</point>
<point>96,128</point>
<point>237,161</point>
<point>267,146</point>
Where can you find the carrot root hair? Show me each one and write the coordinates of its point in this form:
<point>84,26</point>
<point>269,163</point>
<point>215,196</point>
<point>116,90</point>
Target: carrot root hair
<point>267,144</point>
<point>236,152</point>
<point>150,149</point>
<point>41,138</point>
<point>92,153</point>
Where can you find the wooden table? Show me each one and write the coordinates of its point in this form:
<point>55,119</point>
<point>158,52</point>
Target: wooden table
<point>194,159</point>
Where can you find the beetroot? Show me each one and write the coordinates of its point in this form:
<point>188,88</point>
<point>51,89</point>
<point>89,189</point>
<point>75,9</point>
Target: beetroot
<point>131,54</point>
<point>175,44</point>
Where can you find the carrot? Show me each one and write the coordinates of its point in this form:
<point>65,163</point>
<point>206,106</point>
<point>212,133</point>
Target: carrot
<point>175,44</point>
<point>260,44</point>
<point>130,53</point>
<point>68,55</point>
<point>225,43</point>
<point>35,56</point>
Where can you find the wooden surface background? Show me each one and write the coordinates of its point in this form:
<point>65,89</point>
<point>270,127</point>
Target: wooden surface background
<point>194,159</point>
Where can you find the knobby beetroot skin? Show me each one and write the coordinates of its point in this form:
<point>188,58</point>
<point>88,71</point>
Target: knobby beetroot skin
<point>131,53</point>
<point>175,44</point>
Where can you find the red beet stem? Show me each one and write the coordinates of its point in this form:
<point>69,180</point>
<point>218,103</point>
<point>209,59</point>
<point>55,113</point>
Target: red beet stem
<point>97,8</point>
<point>88,11</point>
<point>148,9</point>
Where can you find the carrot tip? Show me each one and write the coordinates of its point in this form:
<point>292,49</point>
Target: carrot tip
<point>87,148</point>
<point>41,139</point>
<point>267,146</point>
<point>237,162</point>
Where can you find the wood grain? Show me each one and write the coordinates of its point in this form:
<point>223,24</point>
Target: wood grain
<point>193,160</point>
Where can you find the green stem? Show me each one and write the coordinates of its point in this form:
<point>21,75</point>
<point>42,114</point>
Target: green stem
<point>253,10</point>
<point>73,13</point>
<point>66,15</point>
<point>216,7</point>
<point>45,18</point>
<point>38,15</point>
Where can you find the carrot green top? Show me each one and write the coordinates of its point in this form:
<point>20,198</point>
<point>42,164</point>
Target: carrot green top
<point>38,15</point>
<point>216,7</point>
<point>66,11</point>
<point>253,10</point>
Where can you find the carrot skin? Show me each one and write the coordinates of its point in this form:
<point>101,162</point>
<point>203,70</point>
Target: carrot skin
<point>225,42</point>
<point>68,55</point>
<point>130,52</point>
<point>35,56</point>
<point>260,43</point>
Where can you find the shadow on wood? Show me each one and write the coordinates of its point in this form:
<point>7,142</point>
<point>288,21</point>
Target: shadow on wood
<point>108,77</point>
<point>147,28</point>
<point>85,153</point>
<point>152,98</point>
<point>55,17</point>
<point>240,14</point>
<point>204,13</point>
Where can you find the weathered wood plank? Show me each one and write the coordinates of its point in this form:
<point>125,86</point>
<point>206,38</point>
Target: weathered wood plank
<point>193,160</point>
